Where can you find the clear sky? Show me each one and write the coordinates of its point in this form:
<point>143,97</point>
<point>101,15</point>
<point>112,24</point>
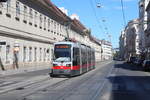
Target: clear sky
<point>107,19</point>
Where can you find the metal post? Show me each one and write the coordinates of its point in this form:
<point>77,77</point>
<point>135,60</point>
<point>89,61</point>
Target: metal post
<point>67,31</point>
<point>68,25</point>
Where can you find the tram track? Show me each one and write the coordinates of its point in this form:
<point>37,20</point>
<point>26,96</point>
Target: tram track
<point>59,83</point>
<point>101,87</point>
<point>79,81</point>
<point>48,84</point>
<point>19,85</point>
<point>30,89</point>
<point>53,86</point>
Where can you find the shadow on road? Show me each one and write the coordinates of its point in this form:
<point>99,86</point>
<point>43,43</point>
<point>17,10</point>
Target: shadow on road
<point>130,87</point>
<point>128,66</point>
<point>125,86</point>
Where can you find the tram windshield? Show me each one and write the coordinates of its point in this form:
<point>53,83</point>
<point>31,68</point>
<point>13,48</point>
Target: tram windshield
<point>62,52</point>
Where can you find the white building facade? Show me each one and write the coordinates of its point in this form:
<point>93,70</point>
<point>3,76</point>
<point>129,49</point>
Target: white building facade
<point>28,29</point>
<point>106,50</point>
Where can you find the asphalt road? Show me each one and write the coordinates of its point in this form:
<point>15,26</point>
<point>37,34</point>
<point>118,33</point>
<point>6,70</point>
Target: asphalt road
<point>127,82</point>
<point>109,81</point>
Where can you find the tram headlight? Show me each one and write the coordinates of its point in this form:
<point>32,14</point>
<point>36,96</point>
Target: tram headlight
<point>68,65</point>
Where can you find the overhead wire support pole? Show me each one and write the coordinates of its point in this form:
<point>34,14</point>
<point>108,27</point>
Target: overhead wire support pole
<point>68,27</point>
<point>123,13</point>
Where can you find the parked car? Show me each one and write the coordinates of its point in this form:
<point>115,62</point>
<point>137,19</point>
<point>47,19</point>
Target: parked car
<point>139,62</point>
<point>146,65</point>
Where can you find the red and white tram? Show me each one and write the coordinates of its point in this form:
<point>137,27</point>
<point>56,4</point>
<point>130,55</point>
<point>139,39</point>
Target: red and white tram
<point>72,58</point>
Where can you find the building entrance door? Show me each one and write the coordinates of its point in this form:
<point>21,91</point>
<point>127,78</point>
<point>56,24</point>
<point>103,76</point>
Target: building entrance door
<point>15,59</point>
<point>1,61</point>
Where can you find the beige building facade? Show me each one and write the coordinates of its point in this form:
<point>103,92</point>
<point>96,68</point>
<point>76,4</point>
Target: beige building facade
<point>130,40</point>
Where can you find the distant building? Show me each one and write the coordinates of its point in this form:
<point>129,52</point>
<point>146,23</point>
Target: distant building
<point>106,50</point>
<point>129,40</point>
<point>142,26</point>
<point>122,45</point>
<point>147,30</point>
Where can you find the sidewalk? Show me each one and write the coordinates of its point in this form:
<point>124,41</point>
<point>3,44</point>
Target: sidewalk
<point>22,70</point>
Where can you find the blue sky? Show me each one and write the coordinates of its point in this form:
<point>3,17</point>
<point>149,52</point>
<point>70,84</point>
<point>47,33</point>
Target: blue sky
<point>92,17</point>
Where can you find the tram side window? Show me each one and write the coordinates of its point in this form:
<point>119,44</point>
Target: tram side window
<point>76,59</point>
<point>92,58</point>
<point>84,55</point>
<point>89,56</point>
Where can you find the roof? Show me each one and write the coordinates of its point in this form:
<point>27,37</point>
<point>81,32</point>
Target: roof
<point>63,18</point>
<point>53,9</point>
<point>97,41</point>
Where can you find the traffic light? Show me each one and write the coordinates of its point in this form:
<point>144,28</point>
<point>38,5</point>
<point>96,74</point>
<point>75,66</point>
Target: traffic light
<point>3,0</point>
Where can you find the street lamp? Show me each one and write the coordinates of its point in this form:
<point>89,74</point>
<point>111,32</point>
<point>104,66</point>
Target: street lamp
<point>99,5</point>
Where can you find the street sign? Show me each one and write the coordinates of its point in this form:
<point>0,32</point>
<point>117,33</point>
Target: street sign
<point>3,0</point>
<point>3,43</point>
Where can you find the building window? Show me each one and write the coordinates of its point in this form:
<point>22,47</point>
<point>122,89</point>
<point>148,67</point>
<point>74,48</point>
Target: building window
<point>44,54</point>
<point>60,28</point>
<point>55,25</point>
<point>24,54</point>
<point>35,19</point>
<point>52,24</point>
<point>30,16</point>
<point>8,8</point>
<point>1,6</point>
<point>7,53</point>
<point>41,21</point>
<point>40,54</point>
<point>25,14</point>
<point>17,10</point>
<point>48,53</point>
<point>0,49</point>
<point>30,54</point>
<point>48,24</point>
<point>35,54</point>
<point>44,23</point>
